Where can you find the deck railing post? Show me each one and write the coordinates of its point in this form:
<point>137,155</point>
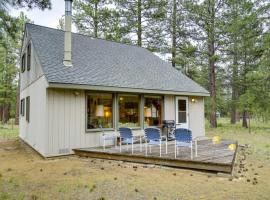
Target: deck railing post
<point>146,148</point>
<point>131,145</point>
<point>115,140</point>
<point>175,149</point>
<point>196,148</point>
<point>191,151</point>
<point>166,146</point>
<point>120,144</point>
<point>140,143</point>
<point>159,147</point>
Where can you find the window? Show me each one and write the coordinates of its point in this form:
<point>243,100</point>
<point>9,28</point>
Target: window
<point>22,107</point>
<point>23,63</point>
<point>28,109</point>
<point>182,111</point>
<point>28,57</point>
<point>99,111</point>
<point>129,115</point>
<point>152,111</point>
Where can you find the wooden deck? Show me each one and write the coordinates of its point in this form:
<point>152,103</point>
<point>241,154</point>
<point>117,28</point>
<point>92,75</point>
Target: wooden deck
<point>211,157</point>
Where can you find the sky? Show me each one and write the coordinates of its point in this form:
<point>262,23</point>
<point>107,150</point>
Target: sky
<point>49,18</point>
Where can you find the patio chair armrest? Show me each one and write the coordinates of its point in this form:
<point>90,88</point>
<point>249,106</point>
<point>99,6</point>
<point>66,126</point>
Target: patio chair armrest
<point>109,136</point>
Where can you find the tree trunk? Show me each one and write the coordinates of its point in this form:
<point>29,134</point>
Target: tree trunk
<point>211,64</point>
<point>1,113</point>
<point>139,23</point>
<point>5,116</point>
<point>96,20</point>
<point>234,88</point>
<point>235,70</point>
<point>245,124</point>
<point>212,78</point>
<point>17,115</point>
<point>174,33</point>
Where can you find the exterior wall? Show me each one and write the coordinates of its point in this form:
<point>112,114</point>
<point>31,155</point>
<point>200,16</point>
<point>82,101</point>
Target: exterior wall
<point>33,84</point>
<point>28,77</point>
<point>196,116</point>
<point>195,112</point>
<point>169,107</point>
<point>34,132</point>
<point>66,122</point>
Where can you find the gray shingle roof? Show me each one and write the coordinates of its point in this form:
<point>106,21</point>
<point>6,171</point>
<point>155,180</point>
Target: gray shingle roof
<point>98,62</point>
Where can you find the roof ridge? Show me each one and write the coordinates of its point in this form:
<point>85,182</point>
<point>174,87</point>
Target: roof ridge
<point>88,36</point>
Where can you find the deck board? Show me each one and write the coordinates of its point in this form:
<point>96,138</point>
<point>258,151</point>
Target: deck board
<point>213,157</point>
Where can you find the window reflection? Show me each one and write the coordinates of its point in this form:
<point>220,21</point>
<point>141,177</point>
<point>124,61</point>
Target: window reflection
<point>99,111</point>
<point>129,115</point>
<point>152,111</point>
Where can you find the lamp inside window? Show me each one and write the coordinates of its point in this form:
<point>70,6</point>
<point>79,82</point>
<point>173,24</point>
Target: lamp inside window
<point>99,111</point>
<point>152,111</point>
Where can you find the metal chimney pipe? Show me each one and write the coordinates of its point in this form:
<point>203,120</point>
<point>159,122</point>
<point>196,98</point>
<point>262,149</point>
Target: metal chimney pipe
<point>68,39</point>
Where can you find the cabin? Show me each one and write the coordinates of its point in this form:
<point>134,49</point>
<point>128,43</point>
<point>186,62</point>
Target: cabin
<point>71,85</point>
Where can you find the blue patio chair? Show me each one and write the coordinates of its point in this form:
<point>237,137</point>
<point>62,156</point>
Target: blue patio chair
<point>183,138</point>
<point>126,137</point>
<point>153,138</point>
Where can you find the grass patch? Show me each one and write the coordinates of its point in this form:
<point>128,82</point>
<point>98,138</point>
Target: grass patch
<point>258,138</point>
<point>8,131</point>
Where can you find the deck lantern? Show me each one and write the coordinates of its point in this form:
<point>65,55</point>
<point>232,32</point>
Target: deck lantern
<point>232,147</point>
<point>216,139</point>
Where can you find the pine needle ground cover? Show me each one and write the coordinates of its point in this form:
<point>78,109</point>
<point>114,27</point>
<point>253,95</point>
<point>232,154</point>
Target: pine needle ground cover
<point>25,175</point>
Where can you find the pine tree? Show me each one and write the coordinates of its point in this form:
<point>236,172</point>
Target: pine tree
<point>98,18</point>
<point>9,61</point>
<point>207,20</point>
<point>142,20</point>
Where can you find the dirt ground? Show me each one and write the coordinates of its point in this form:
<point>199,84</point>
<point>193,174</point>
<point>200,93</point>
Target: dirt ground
<point>25,175</point>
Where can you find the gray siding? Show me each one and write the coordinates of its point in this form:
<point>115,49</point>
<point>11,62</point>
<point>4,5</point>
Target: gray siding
<point>28,77</point>
<point>195,112</point>
<point>169,107</point>
<point>196,117</point>
<point>66,122</point>
<point>34,132</point>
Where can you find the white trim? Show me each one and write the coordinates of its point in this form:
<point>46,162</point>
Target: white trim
<point>122,89</point>
<point>186,125</point>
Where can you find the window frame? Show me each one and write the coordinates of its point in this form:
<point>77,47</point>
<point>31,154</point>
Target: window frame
<point>27,113</point>
<point>115,109</point>
<point>161,97</point>
<point>113,112</point>
<point>29,55</point>
<point>22,107</point>
<point>23,59</point>
<point>140,96</point>
<point>177,111</point>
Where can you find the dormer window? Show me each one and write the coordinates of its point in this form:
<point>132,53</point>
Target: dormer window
<point>28,57</point>
<point>23,63</point>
